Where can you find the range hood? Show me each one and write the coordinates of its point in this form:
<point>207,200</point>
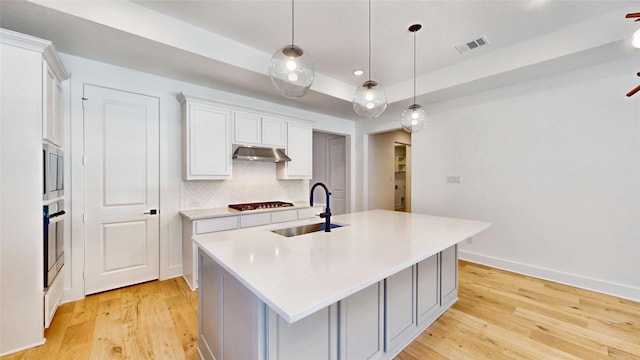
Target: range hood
<point>251,153</point>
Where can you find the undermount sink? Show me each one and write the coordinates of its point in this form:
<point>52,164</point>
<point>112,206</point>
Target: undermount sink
<point>302,229</point>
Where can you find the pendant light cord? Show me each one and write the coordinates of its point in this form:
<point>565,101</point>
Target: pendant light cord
<point>414,67</point>
<point>292,24</point>
<point>369,40</point>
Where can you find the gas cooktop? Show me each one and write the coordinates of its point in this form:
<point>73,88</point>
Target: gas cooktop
<point>260,205</point>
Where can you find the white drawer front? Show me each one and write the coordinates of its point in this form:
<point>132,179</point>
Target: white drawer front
<point>255,220</point>
<point>309,212</point>
<point>205,226</point>
<point>282,216</point>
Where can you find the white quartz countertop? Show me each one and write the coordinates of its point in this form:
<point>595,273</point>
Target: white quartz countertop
<point>225,211</point>
<point>300,275</point>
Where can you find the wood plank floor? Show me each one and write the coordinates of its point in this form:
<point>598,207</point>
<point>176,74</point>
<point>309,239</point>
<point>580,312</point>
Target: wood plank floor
<point>500,315</point>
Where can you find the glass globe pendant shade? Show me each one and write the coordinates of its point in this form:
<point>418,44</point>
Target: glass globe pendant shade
<point>636,39</point>
<point>291,71</point>
<point>370,99</point>
<point>413,118</point>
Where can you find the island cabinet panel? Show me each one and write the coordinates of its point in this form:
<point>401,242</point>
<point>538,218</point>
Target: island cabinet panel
<point>399,307</point>
<point>362,320</point>
<point>243,317</point>
<point>312,338</point>
<point>449,275</point>
<point>210,308</point>
<point>427,290</point>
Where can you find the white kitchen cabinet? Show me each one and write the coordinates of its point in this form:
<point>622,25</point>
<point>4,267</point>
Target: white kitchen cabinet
<point>300,149</point>
<point>206,139</point>
<point>255,129</point>
<point>22,109</point>
<point>52,127</point>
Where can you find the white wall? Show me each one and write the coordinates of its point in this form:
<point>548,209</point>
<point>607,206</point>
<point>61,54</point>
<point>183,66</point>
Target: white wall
<point>554,164</point>
<point>175,193</point>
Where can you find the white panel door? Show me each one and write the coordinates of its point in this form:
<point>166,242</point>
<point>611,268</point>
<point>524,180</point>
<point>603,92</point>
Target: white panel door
<point>122,188</point>
<point>337,149</point>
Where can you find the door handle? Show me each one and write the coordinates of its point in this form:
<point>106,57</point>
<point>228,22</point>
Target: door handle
<point>152,212</point>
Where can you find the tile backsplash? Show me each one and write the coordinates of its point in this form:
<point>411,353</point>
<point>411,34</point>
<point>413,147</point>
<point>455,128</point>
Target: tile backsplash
<point>251,182</point>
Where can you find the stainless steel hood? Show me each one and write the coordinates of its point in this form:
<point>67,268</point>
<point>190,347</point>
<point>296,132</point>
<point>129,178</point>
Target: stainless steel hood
<point>251,153</point>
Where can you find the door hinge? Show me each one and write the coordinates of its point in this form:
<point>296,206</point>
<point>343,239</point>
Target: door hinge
<point>83,160</point>
<point>83,217</point>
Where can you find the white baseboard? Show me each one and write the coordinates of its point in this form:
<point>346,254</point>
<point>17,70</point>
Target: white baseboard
<point>13,351</point>
<point>609,288</point>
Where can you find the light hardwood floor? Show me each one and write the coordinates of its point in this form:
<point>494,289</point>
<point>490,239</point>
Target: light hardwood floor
<point>500,315</point>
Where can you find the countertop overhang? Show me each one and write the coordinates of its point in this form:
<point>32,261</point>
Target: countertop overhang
<point>300,275</point>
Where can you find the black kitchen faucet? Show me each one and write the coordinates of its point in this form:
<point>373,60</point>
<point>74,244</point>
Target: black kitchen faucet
<point>327,213</point>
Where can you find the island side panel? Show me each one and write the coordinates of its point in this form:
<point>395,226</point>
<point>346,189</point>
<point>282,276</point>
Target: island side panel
<point>210,310</point>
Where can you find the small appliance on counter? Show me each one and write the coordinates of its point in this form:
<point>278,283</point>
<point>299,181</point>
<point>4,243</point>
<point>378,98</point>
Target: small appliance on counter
<point>260,205</point>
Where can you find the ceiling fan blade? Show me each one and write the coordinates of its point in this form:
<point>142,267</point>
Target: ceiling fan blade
<point>633,15</point>
<point>632,92</point>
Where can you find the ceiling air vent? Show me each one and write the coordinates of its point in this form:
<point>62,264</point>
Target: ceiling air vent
<point>472,45</point>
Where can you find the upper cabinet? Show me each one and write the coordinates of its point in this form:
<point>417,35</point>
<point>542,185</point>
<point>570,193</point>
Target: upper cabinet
<point>300,149</point>
<point>52,124</point>
<point>254,129</point>
<point>206,129</point>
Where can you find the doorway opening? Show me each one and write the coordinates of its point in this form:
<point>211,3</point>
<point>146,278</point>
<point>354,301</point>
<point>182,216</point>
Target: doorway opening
<point>402,185</point>
<point>331,159</point>
<point>389,171</point>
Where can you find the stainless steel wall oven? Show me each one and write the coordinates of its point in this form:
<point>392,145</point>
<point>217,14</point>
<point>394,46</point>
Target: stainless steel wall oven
<point>53,216</point>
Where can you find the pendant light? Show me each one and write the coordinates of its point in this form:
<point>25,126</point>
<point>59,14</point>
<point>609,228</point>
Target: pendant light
<point>291,69</point>
<point>414,117</point>
<point>370,99</point>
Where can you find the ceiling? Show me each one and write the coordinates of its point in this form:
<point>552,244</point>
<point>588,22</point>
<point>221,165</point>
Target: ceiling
<point>227,44</point>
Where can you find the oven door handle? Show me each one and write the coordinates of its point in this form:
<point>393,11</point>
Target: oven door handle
<point>56,214</point>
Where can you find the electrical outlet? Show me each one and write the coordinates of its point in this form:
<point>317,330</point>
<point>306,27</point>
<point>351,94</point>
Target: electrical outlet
<point>470,240</point>
<point>194,203</point>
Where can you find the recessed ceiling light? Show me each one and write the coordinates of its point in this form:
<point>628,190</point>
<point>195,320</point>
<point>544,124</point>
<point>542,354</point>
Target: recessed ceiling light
<point>358,72</point>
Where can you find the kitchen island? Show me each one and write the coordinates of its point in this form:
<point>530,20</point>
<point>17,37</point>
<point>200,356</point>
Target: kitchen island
<point>362,291</point>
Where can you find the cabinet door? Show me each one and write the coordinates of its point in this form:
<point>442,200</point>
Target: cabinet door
<point>305,339</point>
<point>207,143</point>
<point>361,315</point>
<point>273,132</point>
<point>449,277</point>
<point>246,128</point>
<point>428,297</point>
<point>52,106</point>
<point>399,308</point>
<point>300,150</point>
